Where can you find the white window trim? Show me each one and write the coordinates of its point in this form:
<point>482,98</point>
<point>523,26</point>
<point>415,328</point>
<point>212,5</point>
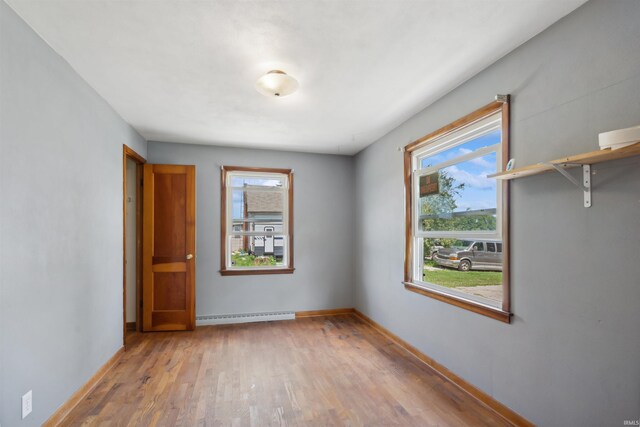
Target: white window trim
<point>460,136</point>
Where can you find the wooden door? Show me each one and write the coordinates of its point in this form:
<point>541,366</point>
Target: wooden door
<point>169,242</point>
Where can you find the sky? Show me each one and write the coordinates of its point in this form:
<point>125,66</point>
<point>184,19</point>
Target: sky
<point>479,191</point>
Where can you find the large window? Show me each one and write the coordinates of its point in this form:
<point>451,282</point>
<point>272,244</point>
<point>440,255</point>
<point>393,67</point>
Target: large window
<point>457,217</point>
<point>256,221</point>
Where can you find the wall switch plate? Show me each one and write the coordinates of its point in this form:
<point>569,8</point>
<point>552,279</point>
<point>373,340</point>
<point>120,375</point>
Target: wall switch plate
<point>27,404</point>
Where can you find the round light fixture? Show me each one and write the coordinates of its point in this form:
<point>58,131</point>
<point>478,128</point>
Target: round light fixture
<point>276,83</point>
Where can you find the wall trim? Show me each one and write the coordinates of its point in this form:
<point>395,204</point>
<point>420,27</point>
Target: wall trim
<point>63,411</point>
<point>332,312</point>
<point>509,415</point>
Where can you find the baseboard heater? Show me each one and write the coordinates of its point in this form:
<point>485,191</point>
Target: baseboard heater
<point>223,319</point>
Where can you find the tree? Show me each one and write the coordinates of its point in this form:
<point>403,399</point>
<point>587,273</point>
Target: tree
<point>438,207</point>
<point>443,203</point>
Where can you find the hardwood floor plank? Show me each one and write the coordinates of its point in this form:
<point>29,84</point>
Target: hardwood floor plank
<point>313,371</point>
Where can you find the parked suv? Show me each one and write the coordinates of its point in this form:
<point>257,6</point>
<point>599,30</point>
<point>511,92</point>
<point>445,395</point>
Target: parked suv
<point>468,255</point>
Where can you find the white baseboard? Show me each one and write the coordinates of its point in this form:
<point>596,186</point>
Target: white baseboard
<point>223,319</point>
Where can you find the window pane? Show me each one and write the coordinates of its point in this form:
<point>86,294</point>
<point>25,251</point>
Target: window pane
<point>464,266</point>
<point>491,247</point>
<point>257,251</point>
<point>466,201</point>
<point>478,246</point>
<point>254,209</point>
<point>480,142</point>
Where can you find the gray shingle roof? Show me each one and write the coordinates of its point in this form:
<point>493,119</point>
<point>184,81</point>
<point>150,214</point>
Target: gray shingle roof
<point>264,201</point>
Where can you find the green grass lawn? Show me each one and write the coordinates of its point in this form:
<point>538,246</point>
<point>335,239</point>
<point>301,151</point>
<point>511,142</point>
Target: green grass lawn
<point>453,278</point>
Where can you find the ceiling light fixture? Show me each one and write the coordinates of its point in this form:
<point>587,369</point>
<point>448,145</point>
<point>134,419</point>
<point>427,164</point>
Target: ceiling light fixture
<point>276,83</point>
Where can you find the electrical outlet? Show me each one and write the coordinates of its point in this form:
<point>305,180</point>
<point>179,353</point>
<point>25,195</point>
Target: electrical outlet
<point>27,404</point>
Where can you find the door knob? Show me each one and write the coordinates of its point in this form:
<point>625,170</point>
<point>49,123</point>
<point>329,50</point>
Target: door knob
<point>189,256</point>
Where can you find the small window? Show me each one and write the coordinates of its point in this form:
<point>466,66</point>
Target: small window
<point>478,246</point>
<point>457,218</point>
<point>257,221</point>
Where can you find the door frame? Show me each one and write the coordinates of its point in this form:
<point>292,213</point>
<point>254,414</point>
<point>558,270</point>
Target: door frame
<point>129,153</point>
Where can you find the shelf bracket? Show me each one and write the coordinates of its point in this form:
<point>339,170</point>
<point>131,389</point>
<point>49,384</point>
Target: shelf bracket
<point>585,185</point>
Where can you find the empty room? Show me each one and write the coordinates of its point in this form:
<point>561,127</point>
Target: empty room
<point>319,213</point>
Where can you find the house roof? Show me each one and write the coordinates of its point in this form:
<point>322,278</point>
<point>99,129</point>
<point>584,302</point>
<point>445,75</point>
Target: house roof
<point>264,201</point>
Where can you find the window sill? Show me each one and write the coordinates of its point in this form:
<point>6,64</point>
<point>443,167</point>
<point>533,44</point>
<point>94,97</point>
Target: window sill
<point>254,272</point>
<point>485,310</point>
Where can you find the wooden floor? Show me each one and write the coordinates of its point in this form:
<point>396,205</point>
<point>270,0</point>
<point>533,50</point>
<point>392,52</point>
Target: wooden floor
<point>312,372</point>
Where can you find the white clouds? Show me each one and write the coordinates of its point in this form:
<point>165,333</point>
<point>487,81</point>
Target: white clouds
<point>477,181</point>
<point>483,162</point>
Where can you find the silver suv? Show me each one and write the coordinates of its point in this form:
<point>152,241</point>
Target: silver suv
<point>468,255</point>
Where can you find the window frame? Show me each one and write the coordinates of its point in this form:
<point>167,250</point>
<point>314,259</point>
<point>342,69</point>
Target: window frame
<point>502,106</point>
<point>227,270</point>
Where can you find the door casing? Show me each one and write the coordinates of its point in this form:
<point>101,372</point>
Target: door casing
<point>128,153</point>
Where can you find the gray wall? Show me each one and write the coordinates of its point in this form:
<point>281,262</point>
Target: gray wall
<point>60,225</point>
<point>572,354</point>
<point>323,227</point>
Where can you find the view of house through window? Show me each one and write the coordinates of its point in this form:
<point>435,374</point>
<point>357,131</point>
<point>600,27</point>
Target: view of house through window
<point>257,219</point>
<point>457,212</point>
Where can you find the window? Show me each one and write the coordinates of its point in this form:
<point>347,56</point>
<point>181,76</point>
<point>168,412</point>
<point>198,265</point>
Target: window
<point>457,218</point>
<point>256,221</point>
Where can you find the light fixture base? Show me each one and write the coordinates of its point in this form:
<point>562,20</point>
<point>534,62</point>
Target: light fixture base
<point>276,83</point>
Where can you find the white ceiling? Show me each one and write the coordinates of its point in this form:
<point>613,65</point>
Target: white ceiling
<point>184,71</point>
